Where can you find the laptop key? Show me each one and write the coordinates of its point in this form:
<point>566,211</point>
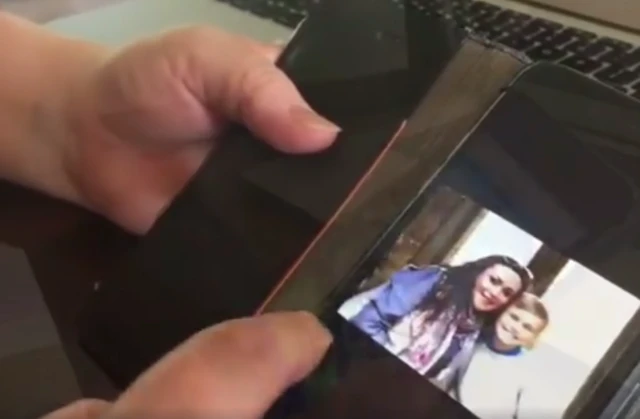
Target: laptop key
<point>517,18</point>
<point>594,49</point>
<point>540,25</point>
<point>616,44</point>
<point>612,56</point>
<point>480,7</point>
<point>272,10</point>
<point>576,45</point>
<point>615,49</point>
<point>552,39</point>
<point>501,19</point>
<point>493,33</point>
<point>531,28</point>
<point>549,25</point>
<point>289,17</point>
<point>581,36</point>
<point>486,24</point>
<point>546,53</point>
<point>511,27</point>
<point>583,64</point>
<point>517,42</point>
<point>615,74</point>
<point>629,59</point>
<point>483,20</point>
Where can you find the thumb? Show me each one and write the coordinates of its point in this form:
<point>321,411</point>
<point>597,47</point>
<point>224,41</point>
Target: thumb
<point>236,78</point>
<point>232,371</point>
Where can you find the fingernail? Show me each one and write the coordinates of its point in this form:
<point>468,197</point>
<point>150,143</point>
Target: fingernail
<point>310,118</point>
<point>318,333</point>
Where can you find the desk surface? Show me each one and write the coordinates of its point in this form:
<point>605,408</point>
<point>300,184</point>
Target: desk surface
<point>67,248</point>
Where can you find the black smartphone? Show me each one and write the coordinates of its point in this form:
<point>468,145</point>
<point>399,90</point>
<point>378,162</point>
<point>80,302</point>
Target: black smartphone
<point>226,240</point>
<point>540,198</point>
<point>507,288</point>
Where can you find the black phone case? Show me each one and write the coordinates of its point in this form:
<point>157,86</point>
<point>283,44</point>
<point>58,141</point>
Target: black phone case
<point>227,239</point>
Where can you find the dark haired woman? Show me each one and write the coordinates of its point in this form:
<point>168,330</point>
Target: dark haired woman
<point>431,317</point>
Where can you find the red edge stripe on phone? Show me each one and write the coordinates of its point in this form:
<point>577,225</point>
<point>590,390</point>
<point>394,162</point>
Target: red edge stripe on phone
<point>331,221</point>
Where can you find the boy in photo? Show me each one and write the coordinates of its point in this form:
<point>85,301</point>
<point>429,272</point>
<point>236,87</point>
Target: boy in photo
<point>497,383</point>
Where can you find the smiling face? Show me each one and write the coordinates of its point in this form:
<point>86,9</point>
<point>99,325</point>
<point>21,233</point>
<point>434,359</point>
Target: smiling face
<point>518,327</point>
<point>495,287</point>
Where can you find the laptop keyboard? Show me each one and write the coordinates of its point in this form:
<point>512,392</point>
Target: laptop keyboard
<point>611,61</point>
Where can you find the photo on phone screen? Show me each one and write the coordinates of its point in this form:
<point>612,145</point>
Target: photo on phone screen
<point>487,312</point>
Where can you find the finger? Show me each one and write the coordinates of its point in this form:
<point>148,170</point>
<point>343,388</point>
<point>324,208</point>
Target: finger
<point>83,409</point>
<point>228,74</point>
<point>233,371</point>
<point>271,51</point>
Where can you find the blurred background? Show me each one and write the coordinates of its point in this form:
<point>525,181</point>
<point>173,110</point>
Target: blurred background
<point>42,11</point>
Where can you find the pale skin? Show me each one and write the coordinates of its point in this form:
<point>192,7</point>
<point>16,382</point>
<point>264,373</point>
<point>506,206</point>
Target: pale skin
<point>517,328</point>
<point>119,133</point>
<point>494,287</point>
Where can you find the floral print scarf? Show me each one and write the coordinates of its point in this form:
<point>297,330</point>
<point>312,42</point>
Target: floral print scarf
<point>421,341</point>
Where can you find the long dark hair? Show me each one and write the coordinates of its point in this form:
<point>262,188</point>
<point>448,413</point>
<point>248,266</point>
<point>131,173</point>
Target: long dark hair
<point>456,285</point>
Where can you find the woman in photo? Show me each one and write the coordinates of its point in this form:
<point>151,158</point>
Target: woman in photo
<point>498,381</point>
<point>431,317</point>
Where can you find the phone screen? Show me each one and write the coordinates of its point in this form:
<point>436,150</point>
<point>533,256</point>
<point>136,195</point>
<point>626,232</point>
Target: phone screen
<point>488,312</point>
<point>509,289</point>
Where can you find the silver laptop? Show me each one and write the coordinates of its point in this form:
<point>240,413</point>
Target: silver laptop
<point>618,19</point>
<point>608,16</point>
<point>600,38</point>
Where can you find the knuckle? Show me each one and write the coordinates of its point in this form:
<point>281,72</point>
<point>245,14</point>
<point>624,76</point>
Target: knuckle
<point>251,86</point>
<point>254,79</point>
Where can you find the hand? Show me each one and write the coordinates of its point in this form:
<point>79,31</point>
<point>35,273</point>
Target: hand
<point>232,371</point>
<point>144,122</point>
